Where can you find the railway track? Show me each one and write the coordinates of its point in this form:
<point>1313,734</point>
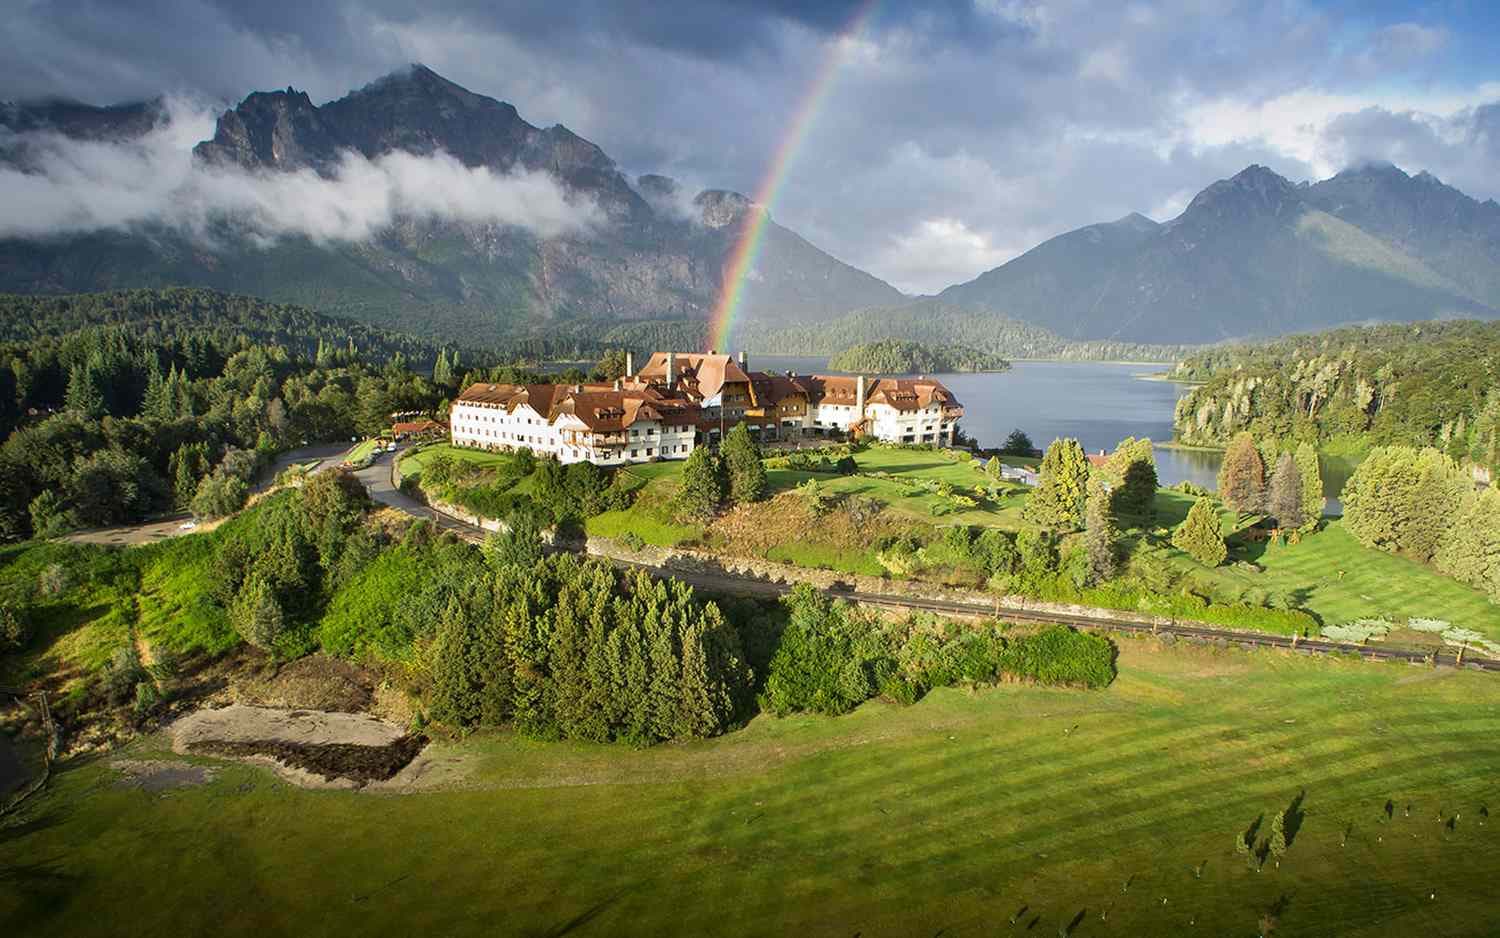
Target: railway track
<point>745,586</point>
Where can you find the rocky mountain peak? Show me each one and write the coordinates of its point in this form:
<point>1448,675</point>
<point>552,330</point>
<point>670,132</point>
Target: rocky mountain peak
<point>1137,222</point>
<point>83,121</point>
<point>273,129</point>
<point>720,207</point>
<point>1253,192</point>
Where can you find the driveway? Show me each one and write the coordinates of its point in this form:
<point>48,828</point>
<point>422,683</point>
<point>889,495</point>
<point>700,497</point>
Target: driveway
<point>158,529</point>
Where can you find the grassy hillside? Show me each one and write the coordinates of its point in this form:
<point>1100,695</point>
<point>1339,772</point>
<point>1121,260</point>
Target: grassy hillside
<point>1113,810</point>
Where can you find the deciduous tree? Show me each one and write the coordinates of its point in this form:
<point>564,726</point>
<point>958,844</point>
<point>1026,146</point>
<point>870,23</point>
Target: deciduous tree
<point>1312,486</point>
<point>1242,476</point>
<point>1284,500</point>
<point>1131,471</point>
<point>1404,500</point>
<point>1018,444</point>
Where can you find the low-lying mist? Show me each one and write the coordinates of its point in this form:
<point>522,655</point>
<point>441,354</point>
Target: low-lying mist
<point>65,186</point>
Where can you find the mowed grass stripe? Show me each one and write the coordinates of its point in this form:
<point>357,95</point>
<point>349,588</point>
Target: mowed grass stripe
<point>875,822</point>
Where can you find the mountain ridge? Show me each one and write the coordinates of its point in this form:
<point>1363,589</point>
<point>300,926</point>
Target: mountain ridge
<point>1256,254</point>
<point>648,257</point>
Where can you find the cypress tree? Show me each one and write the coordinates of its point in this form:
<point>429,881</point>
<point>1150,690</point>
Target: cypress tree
<point>1201,534</point>
<point>1101,539</point>
<point>747,474</point>
<point>256,612</point>
<point>1242,476</point>
<point>1312,486</point>
<point>1058,500</point>
<point>664,654</point>
<point>701,491</point>
<point>1277,841</point>
<point>456,691</point>
<point>1284,500</point>
<point>84,396</point>
<point>158,402</point>
<point>442,371</point>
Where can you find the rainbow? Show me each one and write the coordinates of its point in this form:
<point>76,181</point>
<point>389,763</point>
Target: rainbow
<point>752,229</point>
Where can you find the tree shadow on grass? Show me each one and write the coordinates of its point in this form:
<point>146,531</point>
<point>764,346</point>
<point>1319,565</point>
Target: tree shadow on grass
<point>580,920</point>
<point>43,886</point>
<point>1294,817</point>
<point>1254,829</point>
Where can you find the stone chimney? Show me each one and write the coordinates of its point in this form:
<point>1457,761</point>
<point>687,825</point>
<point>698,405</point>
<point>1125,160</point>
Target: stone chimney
<point>744,361</point>
<point>619,385</point>
<point>859,398</point>
<point>671,369</point>
<point>629,364</point>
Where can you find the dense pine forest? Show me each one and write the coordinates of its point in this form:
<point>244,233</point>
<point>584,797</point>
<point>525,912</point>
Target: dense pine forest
<point>1421,384</point>
<point>115,406</point>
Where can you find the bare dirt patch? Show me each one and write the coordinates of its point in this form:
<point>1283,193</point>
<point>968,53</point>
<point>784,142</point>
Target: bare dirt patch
<point>313,748</point>
<point>316,682</point>
<point>154,776</point>
<point>330,761</point>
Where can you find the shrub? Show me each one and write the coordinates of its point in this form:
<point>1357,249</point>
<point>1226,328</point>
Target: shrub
<point>48,516</point>
<point>1428,625</point>
<point>54,580</point>
<point>1359,631</point>
<point>256,612</point>
<point>1060,656</point>
<point>146,697</point>
<point>15,627</point>
<point>830,658</point>
<point>815,498</point>
<point>121,674</point>
<point>219,495</point>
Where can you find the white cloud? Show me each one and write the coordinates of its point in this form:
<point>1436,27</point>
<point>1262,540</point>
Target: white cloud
<point>1296,123</point>
<point>73,186</point>
<point>938,252</point>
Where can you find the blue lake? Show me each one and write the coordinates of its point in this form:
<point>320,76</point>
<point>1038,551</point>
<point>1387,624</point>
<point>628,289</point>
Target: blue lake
<point>1098,404</point>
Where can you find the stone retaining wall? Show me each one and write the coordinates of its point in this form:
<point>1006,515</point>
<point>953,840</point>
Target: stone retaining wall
<point>702,562</point>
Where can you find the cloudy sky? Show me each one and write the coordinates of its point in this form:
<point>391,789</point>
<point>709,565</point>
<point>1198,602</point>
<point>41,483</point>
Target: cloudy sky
<point>954,134</point>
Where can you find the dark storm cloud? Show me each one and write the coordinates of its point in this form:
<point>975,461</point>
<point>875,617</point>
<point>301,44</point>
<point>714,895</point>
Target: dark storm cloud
<point>956,134</point>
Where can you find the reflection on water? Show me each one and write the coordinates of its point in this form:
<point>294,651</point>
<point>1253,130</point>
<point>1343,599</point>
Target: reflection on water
<point>1096,403</point>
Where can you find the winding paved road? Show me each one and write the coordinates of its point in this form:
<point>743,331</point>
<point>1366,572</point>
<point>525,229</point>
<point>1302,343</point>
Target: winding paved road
<point>377,480</point>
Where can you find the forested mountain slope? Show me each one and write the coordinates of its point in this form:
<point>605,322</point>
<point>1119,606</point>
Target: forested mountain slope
<point>1419,384</point>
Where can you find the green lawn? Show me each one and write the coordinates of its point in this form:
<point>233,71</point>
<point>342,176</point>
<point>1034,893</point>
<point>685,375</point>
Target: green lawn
<point>1338,579</point>
<point>826,557</point>
<point>411,464</point>
<point>948,817</point>
<point>651,527</point>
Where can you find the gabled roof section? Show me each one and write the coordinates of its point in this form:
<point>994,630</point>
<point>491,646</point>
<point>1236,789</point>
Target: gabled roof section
<point>705,374</point>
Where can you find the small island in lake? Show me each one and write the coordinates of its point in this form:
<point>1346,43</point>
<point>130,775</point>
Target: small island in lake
<point>896,357</point>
